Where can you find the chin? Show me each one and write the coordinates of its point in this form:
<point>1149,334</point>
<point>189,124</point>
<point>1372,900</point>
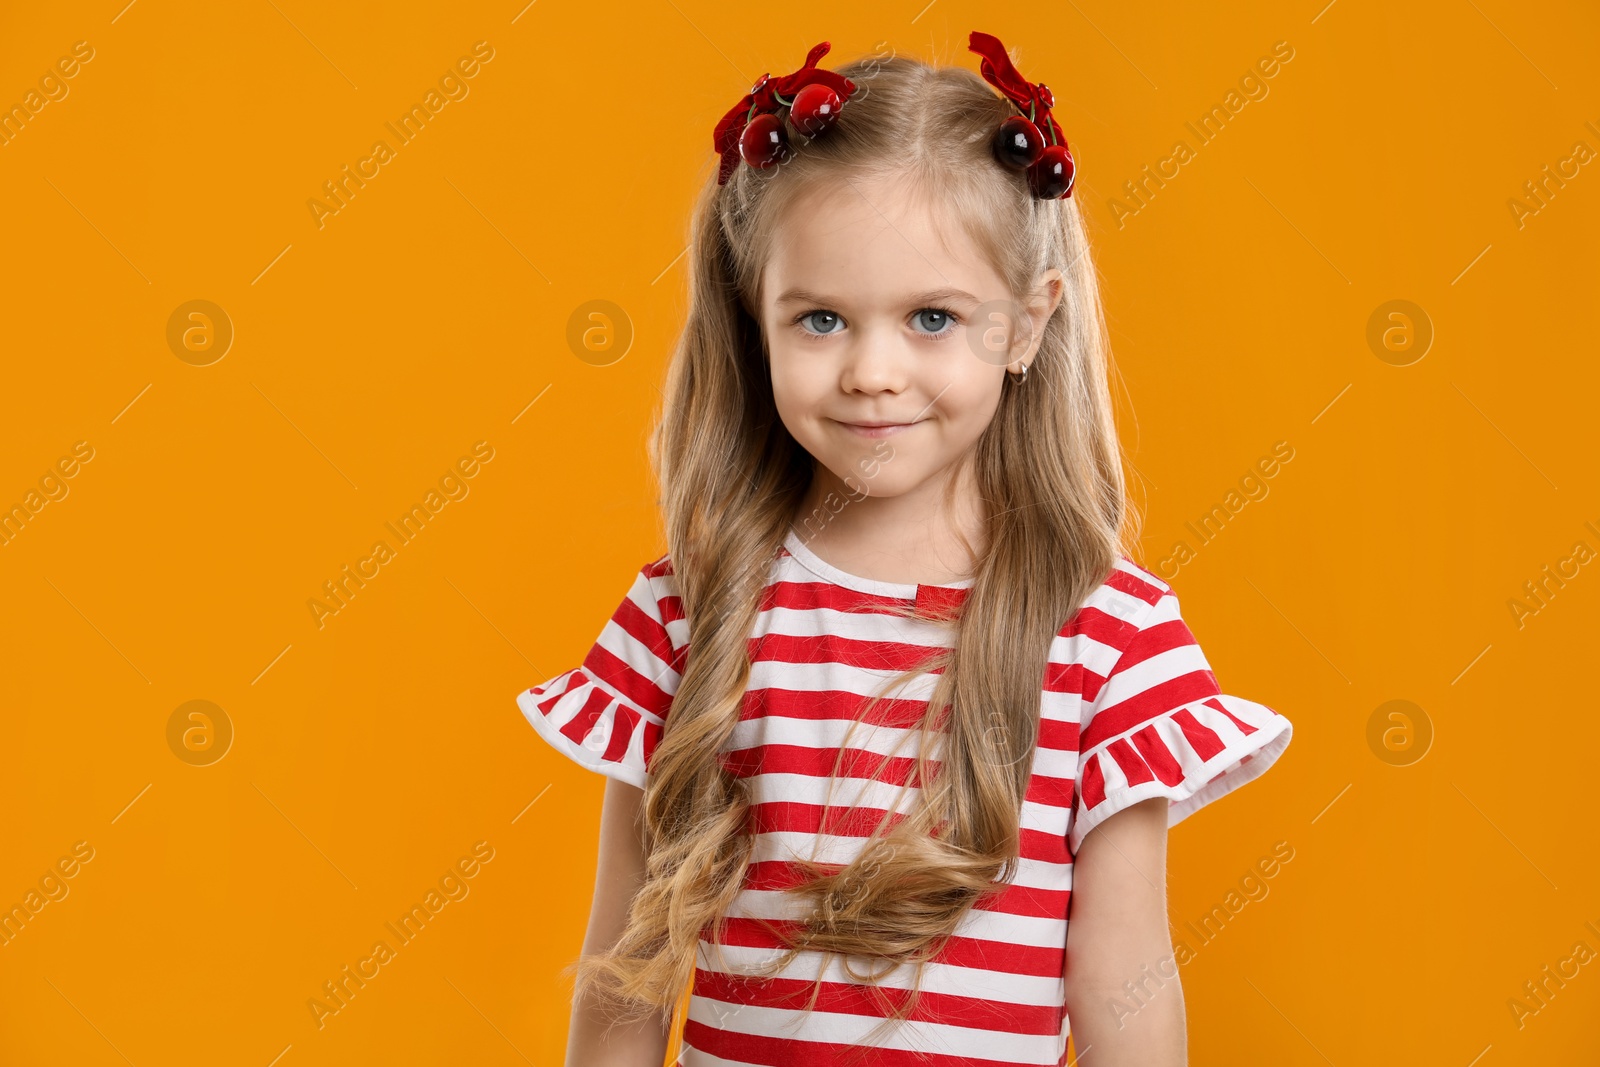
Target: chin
<point>880,488</point>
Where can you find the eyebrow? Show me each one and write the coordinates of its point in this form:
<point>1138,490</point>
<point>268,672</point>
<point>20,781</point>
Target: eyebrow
<point>930,296</point>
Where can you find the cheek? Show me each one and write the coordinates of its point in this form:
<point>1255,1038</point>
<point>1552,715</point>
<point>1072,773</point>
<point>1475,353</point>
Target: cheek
<point>798,383</point>
<point>970,403</point>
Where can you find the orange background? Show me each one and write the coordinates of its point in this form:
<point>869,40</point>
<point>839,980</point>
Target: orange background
<point>372,752</point>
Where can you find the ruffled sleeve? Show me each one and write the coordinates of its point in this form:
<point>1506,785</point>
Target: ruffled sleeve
<point>1159,726</point>
<point>608,714</point>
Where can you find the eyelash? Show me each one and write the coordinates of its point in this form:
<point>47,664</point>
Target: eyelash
<point>954,320</point>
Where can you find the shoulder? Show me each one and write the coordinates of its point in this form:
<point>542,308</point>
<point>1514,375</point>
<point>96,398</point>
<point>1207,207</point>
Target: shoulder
<point>1130,599</point>
<point>660,578</point>
<point>656,585</point>
<point>1136,583</point>
<point>1130,593</point>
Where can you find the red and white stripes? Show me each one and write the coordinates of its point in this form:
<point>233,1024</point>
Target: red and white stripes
<point>1129,710</point>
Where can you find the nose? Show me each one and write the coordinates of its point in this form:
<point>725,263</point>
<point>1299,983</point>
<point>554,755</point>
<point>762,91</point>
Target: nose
<point>875,363</point>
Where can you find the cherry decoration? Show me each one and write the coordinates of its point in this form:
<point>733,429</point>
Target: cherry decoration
<point>1018,142</point>
<point>1031,138</point>
<point>809,101</point>
<point>815,108</point>
<point>753,129</point>
<point>764,143</point>
<point>1051,177</point>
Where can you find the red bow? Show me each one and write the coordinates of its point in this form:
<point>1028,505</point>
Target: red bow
<point>1033,101</point>
<point>769,94</point>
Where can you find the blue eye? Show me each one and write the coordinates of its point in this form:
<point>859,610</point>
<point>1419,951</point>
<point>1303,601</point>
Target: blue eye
<point>943,321</point>
<point>827,318</point>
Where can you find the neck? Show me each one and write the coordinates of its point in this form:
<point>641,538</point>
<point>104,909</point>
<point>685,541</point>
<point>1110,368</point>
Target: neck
<point>914,537</point>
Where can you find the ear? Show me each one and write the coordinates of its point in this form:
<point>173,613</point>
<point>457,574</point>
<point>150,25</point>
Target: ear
<point>1048,291</point>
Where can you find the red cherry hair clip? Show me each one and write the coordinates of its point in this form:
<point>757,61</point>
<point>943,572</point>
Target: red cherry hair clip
<point>1031,138</point>
<point>754,129</point>
<point>811,99</point>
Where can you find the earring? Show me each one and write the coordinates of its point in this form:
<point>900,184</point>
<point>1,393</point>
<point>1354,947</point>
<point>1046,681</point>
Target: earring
<point>1020,378</point>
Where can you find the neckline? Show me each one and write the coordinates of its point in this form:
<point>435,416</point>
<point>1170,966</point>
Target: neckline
<point>829,573</point>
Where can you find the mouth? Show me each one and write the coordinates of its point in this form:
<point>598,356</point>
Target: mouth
<point>878,429</point>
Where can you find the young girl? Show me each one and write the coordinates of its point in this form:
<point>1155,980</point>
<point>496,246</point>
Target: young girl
<point>896,702</point>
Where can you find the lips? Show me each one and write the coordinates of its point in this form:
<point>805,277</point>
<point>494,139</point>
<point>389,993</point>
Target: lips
<point>879,429</point>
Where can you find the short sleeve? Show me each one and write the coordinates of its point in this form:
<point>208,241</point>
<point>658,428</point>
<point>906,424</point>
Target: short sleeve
<point>608,713</point>
<point>1159,726</point>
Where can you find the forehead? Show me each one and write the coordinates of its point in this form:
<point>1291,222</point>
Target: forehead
<point>866,242</point>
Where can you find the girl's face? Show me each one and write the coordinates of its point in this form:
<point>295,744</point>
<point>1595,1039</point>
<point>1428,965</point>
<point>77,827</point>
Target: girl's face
<point>876,312</point>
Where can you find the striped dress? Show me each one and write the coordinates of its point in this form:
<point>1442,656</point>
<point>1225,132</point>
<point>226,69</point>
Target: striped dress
<point>1129,710</point>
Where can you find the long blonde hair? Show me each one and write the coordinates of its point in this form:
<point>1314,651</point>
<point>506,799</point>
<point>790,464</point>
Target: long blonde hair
<point>1048,470</point>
